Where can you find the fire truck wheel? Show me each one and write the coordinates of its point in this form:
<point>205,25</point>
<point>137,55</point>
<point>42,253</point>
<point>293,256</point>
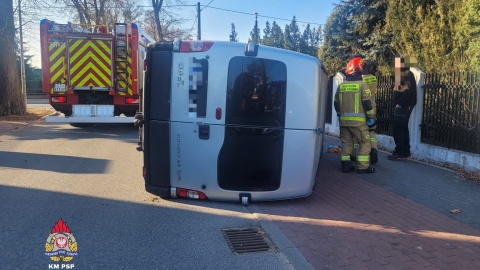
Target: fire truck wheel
<point>129,114</point>
<point>67,113</point>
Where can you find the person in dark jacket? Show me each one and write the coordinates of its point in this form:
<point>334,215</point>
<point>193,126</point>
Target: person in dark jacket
<point>404,99</point>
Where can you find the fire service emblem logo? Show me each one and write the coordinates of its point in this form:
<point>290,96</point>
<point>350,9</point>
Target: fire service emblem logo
<point>61,245</point>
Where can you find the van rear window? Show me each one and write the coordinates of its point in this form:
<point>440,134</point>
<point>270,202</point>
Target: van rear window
<point>256,92</point>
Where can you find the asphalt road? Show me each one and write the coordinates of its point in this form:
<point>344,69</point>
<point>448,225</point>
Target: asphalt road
<point>92,179</point>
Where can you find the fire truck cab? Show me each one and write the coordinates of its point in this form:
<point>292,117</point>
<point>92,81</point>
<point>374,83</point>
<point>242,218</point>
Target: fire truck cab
<point>90,74</point>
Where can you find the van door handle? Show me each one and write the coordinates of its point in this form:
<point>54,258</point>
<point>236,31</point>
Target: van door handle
<point>204,132</point>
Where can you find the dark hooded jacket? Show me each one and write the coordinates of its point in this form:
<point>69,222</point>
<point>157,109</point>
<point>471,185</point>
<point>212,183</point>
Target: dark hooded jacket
<point>405,94</point>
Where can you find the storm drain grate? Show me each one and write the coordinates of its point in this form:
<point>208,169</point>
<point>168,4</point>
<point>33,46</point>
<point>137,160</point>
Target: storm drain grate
<point>247,240</point>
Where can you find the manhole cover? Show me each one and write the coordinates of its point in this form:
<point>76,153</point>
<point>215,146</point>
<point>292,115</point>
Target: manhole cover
<point>247,240</point>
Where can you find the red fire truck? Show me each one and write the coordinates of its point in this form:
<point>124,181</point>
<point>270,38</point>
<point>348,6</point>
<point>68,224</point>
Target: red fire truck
<point>92,74</point>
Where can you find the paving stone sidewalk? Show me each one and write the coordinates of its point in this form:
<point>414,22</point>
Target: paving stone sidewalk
<point>396,218</point>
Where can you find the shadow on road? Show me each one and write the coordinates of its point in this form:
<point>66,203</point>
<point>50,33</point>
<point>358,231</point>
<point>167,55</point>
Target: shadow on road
<point>115,234</point>
<point>53,163</point>
<point>44,131</point>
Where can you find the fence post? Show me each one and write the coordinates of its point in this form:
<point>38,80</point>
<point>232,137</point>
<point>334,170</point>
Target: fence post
<point>335,126</point>
<point>417,113</point>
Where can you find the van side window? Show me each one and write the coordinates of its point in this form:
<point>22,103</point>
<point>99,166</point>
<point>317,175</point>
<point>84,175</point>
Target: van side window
<point>256,92</point>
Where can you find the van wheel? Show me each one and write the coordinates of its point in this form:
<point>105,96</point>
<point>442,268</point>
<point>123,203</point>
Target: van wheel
<point>81,125</point>
<point>245,201</point>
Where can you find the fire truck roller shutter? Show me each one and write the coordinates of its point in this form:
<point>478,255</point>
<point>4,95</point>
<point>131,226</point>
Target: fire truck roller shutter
<point>90,63</point>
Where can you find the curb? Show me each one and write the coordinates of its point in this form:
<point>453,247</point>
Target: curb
<point>409,159</point>
<point>6,126</point>
<point>281,241</point>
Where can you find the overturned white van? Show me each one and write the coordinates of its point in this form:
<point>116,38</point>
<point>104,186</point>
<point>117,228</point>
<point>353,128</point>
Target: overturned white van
<point>231,121</point>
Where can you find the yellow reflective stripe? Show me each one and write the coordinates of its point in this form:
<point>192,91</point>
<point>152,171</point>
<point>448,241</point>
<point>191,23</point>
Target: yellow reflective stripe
<point>129,70</point>
<point>88,45</point>
<point>88,55</point>
<point>55,77</point>
<point>363,158</point>
<point>368,91</point>
<point>353,114</point>
<point>56,53</point>
<point>353,118</point>
<point>72,48</point>
<point>349,87</point>
<point>58,50</point>
<point>345,158</point>
<point>105,48</point>
<point>373,139</point>
<point>56,64</point>
<point>357,102</point>
<point>370,112</point>
<point>87,77</point>
<point>90,66</point>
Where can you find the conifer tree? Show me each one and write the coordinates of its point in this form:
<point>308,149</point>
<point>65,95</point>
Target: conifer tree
<point>277,36</point>
<point>304,43</point>
<point>315,41</point>
<point>267,35</point>
<point>287,38</point>
<point>233,34</point>
<point>356,27</point>
<point>334,51</point>
<point>468,36</point>
<point>292,36</point>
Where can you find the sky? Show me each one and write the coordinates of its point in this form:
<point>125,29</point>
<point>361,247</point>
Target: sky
<point>216,18</point>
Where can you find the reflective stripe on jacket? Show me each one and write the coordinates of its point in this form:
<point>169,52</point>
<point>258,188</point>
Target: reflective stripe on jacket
<point>372,83</point>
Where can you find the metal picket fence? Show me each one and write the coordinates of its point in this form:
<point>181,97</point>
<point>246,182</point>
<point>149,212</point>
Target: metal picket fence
<point>384,105</point>
<point>34,87</point>
<point>451,111</point>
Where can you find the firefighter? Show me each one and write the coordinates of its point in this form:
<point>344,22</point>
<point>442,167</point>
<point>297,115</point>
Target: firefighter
<point>354,108</point>
<point>372,83</point>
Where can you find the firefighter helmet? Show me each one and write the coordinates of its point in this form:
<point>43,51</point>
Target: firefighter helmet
<point>355,65</point>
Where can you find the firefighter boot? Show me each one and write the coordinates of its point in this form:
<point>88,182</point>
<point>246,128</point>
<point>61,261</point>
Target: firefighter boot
<point>347,166</point>
<point>367,170</point>
<point>373,156</point>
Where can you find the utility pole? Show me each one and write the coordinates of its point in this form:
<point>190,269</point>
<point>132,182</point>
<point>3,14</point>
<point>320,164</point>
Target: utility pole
<point>257,37</point>
<point>199,29</point>
<point>22,59</point>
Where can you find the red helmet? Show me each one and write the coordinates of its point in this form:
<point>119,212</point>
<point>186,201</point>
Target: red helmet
<point>355,65</point>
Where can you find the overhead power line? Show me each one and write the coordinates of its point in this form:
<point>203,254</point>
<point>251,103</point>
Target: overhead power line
<point>259,15</point>
<point>208,6</point>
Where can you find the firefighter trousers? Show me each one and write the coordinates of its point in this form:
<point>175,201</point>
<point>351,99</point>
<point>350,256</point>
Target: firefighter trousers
<point>373,143</point>
<point>361,134</point>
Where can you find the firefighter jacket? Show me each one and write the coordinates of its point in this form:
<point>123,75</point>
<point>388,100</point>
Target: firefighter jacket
<point>352,103</point>
<point>372,83</point>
